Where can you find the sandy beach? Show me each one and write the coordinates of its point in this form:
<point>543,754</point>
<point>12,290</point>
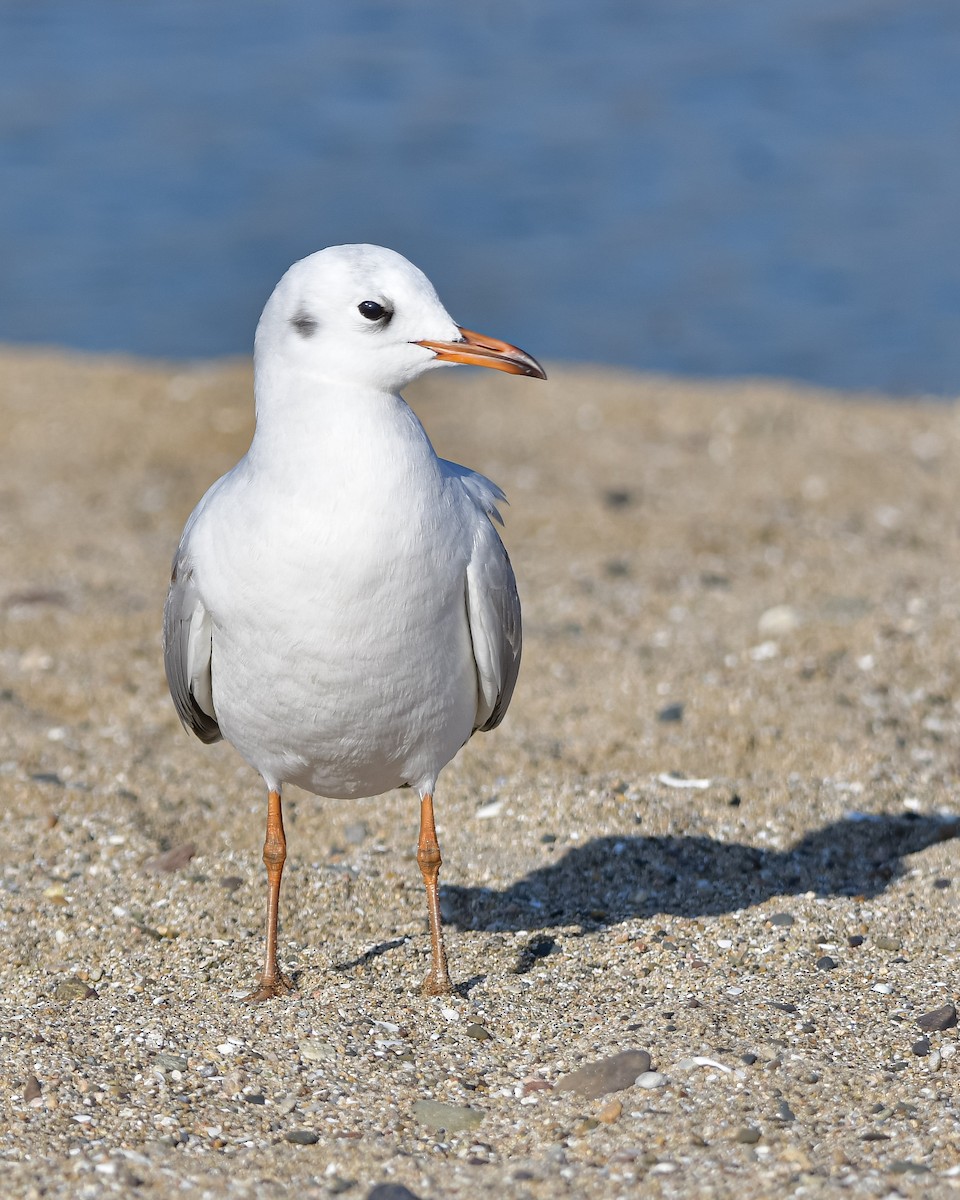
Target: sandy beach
<point>718,824</point>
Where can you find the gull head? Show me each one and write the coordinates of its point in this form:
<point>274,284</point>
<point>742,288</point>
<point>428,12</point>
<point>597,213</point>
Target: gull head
<point>363,316</point>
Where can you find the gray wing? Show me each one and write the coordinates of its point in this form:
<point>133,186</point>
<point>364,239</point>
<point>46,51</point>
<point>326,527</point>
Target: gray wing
<point>493,612</point>
<point>187,648</point>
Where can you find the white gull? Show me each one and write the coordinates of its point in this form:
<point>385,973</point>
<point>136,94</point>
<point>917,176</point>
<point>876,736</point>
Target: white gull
<point>341,608</point>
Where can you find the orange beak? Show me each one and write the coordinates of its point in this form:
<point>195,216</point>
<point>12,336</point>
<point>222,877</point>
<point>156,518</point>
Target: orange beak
<point>480,351</point>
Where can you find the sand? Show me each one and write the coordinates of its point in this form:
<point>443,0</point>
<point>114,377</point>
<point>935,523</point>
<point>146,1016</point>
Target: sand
<point>718,824</point>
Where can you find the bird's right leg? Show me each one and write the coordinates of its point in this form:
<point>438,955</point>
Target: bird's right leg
<point>437,982</point>
<point>272,981</point>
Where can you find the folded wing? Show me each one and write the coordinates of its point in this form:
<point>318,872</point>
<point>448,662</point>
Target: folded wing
<point>187,647</point>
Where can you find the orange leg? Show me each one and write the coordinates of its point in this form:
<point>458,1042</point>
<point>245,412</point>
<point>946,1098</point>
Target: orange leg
<point>437,982</point>
<point>272,982</point>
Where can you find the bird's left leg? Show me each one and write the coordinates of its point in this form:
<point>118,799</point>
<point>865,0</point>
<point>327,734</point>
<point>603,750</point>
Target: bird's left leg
<point>437,982</point>
<point>272,981</point>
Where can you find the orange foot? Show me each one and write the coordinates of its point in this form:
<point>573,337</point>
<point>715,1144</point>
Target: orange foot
<point>279,985</point>
<point>436,984</point>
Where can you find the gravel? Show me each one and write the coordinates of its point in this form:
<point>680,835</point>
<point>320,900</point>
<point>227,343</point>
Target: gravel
<point>649,917</point>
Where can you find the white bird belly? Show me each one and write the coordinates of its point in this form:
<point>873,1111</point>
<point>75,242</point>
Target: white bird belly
<point>345,673</point>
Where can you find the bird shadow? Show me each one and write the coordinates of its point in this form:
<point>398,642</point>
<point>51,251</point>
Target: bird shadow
<point>611,879</point>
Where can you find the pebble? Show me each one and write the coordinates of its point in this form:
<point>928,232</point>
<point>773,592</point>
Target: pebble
<point>391,1191</point>
<point>784,919</point>
<point>171,1062</point>
<point>826,963</point>
<point>610,1113</point>
<point>31,1092</point>
<point>478,1033</point>
<point>785,1112</point>
<point>302,1137</point>
<point>611,1074</point>
<point>748,1135</point>
<point>671,713</point>
<point>888,943</point>
<point>650,1080</point>
<point>315,1050</point>
<point>451,1117</point>
<point>72,989</point>
<point>921,1048</point>
<point>356,833</point>
<point>776,621</point>
<point>285,1104</point>
<point>938,1019</point>
<point>173,859</point>
<point>854,940</point>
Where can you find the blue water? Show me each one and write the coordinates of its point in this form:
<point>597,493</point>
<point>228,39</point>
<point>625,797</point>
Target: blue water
<point>753,186</point>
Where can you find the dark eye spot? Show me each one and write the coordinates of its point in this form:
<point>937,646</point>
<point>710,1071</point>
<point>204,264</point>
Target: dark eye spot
<point>304,324</point>
<point>374,311</point>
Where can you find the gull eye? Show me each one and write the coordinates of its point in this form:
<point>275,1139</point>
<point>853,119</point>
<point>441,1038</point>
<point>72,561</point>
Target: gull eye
<point>373,311</point>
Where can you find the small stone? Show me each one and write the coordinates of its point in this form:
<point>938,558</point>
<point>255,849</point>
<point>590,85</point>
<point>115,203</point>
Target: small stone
<point>611,1074</point>
<point>826,963</point>
<point>938,1019</point>
<point>854,940</point>
<point>356,833</point>
<point>285,1104</point>
<point>888,943</point>
<point>171,1062</point>
<point>31,1091</point>
<point>905,1166</point>
<point>451,1117</point>
<point>253,1097</point>
<point>302,1137</point>
<point>670,714</point>
<point>921,1048</point>
<point>650,1080</point>
<point>391,1191</point>
<point>478,1033</point>
<point>748,1058</point>
<point>785,1112</point>
<point>230,883</point>
<point>173,859</point>
<point>784,919</point>
<point>72,989</point>
<point>776,621</point>
<point>315,1050</point>
<point>536,1085</point>
<point>747,1135</point>
<point>610,1113</point>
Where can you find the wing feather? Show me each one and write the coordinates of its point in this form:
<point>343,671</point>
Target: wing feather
<point>493,611</point>
<point>187,650</point>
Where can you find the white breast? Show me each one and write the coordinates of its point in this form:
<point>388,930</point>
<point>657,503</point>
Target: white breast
<point>342,659</point>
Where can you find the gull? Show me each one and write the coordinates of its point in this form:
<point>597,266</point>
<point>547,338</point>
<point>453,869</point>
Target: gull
<point>341,608</point>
